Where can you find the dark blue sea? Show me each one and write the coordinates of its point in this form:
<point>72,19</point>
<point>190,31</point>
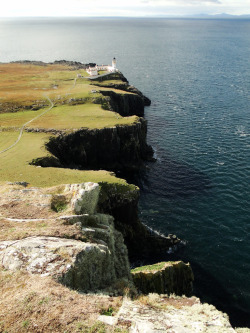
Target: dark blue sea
<point>197,74</point>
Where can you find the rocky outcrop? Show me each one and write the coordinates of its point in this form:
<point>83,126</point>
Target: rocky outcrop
<point>79,265</point>
<point>95,262</point>
<point>156,314</point>
<point>124,104</point>
<point>164,278</point>
<point>116,148</point>
<point>104,81</point>
<point>85,197</point>
<point>121,202</point>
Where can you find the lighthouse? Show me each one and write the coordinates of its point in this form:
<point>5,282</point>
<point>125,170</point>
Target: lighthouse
<point>114,64</point>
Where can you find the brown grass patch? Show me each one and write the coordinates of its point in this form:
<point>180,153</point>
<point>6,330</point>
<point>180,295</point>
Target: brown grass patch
<point>29,303</point>
<point>11,230</point>
<point>164,301</point>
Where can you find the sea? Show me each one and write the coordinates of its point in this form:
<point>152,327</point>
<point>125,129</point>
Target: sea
<point>197,74</point>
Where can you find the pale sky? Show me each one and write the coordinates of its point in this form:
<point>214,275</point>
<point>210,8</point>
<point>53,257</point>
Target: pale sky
<point>122,7</point>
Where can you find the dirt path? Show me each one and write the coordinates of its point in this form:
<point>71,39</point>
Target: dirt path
<point>28,122</point>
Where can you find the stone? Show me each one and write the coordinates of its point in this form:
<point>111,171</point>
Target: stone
<point>85,197</point>
<point>180,318</point>
<point>79,265</point>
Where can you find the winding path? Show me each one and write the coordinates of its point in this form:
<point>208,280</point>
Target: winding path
<point>22,128</point>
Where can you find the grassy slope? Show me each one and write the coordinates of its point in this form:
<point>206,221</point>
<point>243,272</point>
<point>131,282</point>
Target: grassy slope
<point>14,164</point>
<point>67,117</point>
<point>24,85</point>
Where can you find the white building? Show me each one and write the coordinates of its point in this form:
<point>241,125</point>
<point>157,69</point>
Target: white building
<point>93,71</point>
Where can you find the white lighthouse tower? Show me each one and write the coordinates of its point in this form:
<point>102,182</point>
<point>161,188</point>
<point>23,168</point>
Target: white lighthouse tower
<point>114,64</point>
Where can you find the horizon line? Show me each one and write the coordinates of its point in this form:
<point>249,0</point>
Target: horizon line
<point>201,15</point>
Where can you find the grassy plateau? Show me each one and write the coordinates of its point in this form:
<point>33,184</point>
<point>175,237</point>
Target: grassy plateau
<point>26,91</point>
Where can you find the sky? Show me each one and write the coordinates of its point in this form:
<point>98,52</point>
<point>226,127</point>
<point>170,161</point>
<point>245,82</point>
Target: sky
<point>136,8</point>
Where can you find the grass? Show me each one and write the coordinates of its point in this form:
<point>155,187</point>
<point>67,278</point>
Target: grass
<point>17,119</point>
<point>108,82</point>
<point>150,268</point>
<point>24,85</point>
<point>14,165</point>
<point>78,116</point>
<point>29,303</point>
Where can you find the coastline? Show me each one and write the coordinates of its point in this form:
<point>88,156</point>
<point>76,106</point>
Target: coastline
<point>119,200</point>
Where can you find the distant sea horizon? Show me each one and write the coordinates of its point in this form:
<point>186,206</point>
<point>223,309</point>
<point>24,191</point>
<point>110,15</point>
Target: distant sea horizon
<point>197,74</point>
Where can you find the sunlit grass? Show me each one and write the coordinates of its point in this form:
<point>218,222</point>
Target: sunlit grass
<point>17,119</point>
<point>14,164</point>
<point>23,85</point>
<point>85,115</point>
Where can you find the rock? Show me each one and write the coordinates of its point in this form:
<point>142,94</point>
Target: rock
<point>24,184</point>
<point>79,265</point>
<point>163,315</point>
<point>164,278</point>
<point>124,104</point>
<point>85,197</point>
<point>121,201</point>
<point>115,148</point>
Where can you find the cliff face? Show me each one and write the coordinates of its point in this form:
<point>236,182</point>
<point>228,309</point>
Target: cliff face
<point>125,104</point>
<point>82,249</point>
<point>122,203</point>
<point>115,148</point>
<point>164,278</point>
<point>104,81</point>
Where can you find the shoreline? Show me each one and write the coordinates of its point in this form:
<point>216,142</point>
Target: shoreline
<point>119,200</point>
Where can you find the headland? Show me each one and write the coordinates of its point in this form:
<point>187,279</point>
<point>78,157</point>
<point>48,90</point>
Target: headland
<point>68,223</point>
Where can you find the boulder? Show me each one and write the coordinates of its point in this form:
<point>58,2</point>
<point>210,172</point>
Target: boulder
<point>79,265</point>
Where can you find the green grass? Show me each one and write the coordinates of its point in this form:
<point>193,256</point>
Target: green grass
<point>17,119</point>
<point>149,268</point>
<point>108,82</point>
<point>78,116</point>
<point>14,164</point>
<point>27,85</point>
<point>6,140</point>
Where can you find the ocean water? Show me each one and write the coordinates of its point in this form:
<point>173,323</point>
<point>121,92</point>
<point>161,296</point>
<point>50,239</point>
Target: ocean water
<point>197,74</point>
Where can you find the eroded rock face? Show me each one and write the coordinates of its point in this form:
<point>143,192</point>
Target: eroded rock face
<point>164,278</point>
<point>115,149</point>
<point>94,261</point>
<point>85,197</point>
<point>80,265</point>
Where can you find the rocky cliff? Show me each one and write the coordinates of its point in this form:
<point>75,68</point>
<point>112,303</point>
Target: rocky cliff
<point>114,148</point>
<point>164,278</point>
<point>122,203</point>
<point>94,260</point>
<point>124,104</point>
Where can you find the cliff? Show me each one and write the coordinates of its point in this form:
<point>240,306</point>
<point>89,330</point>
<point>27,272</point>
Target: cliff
<point>124,104</point>
<point>113,148</point>
<point>164,278</point>
<point>118,81</point>
<point>82,249</point>
<point>79,235</point>
<point>122,203</point>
